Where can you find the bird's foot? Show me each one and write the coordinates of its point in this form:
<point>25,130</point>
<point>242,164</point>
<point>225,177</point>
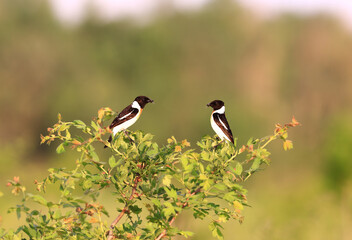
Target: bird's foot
<point>126,134</point>
<point>218,144</point>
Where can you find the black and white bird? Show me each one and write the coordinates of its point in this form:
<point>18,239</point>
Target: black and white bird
<point>219,122</point>
<point>129,115</point>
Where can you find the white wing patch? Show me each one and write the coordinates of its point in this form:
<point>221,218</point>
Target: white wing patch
<point>223,124</point>
<point>136,105</point>
<point>220,110</point>
<point>125,116</point>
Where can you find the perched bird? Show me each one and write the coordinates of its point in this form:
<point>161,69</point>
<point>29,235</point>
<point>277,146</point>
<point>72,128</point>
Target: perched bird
<point>219,122</point>
<point>129,115</point>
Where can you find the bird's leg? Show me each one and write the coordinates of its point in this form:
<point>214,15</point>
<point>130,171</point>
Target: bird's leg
<point>219,143</point>
<point>109,140</point>
<point>126,134</point>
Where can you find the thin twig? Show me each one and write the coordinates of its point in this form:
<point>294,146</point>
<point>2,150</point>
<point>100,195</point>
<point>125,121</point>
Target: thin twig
<point>164,232</point>
<point>110,234</point>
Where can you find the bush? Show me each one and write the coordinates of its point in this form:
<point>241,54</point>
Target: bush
<point>153,184</point>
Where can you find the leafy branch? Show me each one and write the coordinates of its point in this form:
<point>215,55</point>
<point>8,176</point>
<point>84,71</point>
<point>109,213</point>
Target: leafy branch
<point>174,217</point>
<point>123,211</point>
<point>154,183</point>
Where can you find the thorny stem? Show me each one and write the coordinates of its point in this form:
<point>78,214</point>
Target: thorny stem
<point>110,234</point>
<point>163,234</point>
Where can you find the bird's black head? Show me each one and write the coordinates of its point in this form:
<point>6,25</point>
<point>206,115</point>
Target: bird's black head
<point>216,104</point>
<point>143,100</point>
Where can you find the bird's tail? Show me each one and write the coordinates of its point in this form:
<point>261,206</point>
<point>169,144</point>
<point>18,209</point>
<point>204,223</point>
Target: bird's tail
<point>109,140</point>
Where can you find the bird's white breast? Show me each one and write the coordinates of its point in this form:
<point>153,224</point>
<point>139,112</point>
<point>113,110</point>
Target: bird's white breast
<point>217,129</point>
<point>125,125</point>
<point>130,122</point>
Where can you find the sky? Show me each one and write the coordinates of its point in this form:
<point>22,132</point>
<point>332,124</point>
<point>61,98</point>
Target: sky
<point>72,11</point>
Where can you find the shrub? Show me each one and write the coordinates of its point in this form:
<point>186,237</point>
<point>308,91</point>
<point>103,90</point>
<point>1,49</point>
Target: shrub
<point>151,184</point>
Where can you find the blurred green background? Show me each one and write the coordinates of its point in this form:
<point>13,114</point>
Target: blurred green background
<point>265,71</point>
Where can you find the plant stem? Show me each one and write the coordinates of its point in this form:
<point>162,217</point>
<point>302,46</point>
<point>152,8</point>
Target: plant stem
<point>163,234</point>
<point>124,210</point>
<point>101,224</point>
<point>271,138</point>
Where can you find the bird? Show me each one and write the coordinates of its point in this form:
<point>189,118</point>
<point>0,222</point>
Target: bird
<point>129,115</point>
<point>219,122</point>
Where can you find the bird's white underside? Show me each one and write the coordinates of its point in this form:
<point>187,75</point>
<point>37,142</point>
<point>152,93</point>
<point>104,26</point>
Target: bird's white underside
<point>217,129</point>
<point>128,123</point>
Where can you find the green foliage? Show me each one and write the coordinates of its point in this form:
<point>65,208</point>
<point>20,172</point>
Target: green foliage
<point>151,184</point>
<point>338,165</point>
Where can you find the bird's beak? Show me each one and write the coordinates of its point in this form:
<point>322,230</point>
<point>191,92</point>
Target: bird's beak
<point>151,101</point>
<point>208,105</point>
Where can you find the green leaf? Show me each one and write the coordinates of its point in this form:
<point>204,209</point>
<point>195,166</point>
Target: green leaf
<point>18,213</point>
<point>68,134</point>
<point>237,205</point>
<point>63,127</point>
<point>93,154</point>
<point>186,234</point>
<point>250,141</point>
<point>202,176</point>
<point>207,184</point>
<point>60,148</point>
<point>256,164</point>
<point>220,186</point>
<point>57,214</point>
<point>153,151</point>
<point>35,212</point>
<point>201,167</point>
<point>223,218</point>
<point>230,196</point>
<point>184,161</point>
<point>94,125</point>
<point>135,209</point>
<point>156,202</point>
<point>87,184</point>
<point>79,124</point>
<point>30,232</point>
<point>215,230</point>
<point>171,193</point>
<point>147,137</point>
<point>112,162</point>
<point>238,169</point>
<point>201,145</point>
<point>167,180</point>
<point>142,147</point>
<point>205,156</point>
<point>39,199</point>
<point>169,210</point>
<point>223,151</point>
<point>287,145</point>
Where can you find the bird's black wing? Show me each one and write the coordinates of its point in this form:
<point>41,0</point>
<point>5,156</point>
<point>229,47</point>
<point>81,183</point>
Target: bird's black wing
<point>221,121</point>
<point>126,114</point>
